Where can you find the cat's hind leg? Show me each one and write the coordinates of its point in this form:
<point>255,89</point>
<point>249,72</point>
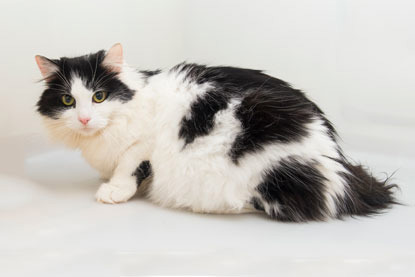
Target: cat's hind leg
<point>293,190</point>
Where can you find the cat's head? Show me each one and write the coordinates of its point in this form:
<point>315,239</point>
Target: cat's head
<point>84,93</point>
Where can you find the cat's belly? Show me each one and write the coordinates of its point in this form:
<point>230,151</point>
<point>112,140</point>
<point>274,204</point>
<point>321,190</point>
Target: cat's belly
<point>202,183</point>
<point>200,175</point>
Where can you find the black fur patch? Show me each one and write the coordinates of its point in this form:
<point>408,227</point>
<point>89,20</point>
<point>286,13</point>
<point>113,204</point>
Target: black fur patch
<point>142,172</point>
<point>200,120</point>
<point>270,110</point>
<point>331,131</point>
<point>94,76</point>
<point>234,78</point>
<point>271,114</point>
<point>365,194</point>
<point>256,202</point>
<point>149,73</point>
<point>295,191</point>
<point>50,103</point>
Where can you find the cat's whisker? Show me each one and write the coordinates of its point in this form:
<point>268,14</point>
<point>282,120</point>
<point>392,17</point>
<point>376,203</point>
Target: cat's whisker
<point>62,90</point>
<point>95,70</point>
<point>65,81</point>
<point>103,78</point>
<point>58,85</point>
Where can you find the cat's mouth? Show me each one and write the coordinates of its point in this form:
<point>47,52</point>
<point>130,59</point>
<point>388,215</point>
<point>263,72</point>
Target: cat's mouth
<point>87,130</point>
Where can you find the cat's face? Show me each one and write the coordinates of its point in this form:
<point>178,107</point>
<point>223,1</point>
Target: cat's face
<point>83,93</point>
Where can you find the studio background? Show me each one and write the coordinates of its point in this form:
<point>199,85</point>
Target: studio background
<point>354,58</point>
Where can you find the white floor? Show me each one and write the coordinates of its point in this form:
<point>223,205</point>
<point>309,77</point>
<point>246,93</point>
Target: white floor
<point>50,225</point>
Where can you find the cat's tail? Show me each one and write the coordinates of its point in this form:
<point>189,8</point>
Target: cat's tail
<point>365,194</point>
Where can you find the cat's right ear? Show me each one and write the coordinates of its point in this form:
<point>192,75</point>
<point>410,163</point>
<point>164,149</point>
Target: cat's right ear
<point>114,58</point>
<point>47,67</point>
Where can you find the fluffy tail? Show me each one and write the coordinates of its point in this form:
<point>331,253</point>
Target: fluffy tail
<point>366,195</point>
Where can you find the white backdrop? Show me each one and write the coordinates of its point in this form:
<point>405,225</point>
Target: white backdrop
<point>354,58</point>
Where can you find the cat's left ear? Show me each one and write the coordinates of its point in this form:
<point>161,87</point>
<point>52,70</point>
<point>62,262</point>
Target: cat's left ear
<point>114,58</point>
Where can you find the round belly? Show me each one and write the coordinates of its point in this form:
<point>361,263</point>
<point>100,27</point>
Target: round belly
<point>212,184</point>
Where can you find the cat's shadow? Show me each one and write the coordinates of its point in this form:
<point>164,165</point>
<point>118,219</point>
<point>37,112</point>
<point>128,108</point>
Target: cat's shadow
<point>227,217</point>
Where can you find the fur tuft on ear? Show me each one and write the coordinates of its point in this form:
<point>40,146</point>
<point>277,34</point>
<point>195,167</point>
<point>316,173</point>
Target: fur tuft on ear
<point>46,66</point>
<point>114,58</point>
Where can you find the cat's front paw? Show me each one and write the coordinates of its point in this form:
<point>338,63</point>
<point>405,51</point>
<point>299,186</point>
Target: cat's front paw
<point>112,194</point>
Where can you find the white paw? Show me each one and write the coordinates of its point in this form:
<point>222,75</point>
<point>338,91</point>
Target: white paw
<point>112,194</point>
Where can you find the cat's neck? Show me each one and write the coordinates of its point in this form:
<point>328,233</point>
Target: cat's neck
<point>133,78</point>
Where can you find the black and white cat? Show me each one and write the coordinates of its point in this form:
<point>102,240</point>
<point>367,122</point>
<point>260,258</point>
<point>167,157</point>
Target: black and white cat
<point>207,139</point>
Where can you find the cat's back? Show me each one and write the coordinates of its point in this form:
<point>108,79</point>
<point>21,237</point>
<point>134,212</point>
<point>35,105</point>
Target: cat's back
<point>267,109</point>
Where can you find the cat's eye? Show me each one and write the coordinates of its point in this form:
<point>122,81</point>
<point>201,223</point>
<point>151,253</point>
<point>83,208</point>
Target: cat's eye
<point>99,96</point>
<point>67,100</point>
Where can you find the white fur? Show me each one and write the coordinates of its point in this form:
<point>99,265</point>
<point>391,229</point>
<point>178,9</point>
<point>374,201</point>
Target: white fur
<point>201,176</point>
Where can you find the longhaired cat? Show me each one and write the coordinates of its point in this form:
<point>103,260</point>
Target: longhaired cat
<point>206,139</point>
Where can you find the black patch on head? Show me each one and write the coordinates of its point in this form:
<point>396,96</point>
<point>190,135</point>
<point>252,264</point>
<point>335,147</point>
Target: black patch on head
<point>94,75</point>
<point>142,172</point>
<point>294,191</point>
<point>50,102</point>
<point>365,195</point>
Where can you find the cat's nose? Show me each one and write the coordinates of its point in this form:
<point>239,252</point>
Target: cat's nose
<point>84,120</point>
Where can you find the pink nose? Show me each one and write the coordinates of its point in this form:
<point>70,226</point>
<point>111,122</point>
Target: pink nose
<point>84,120</point>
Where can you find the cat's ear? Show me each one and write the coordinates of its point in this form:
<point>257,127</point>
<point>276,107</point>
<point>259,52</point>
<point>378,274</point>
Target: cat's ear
<point>47,67</point>
<point>114,58</point>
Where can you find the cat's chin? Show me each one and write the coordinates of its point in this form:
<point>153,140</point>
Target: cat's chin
<point>88,132</point>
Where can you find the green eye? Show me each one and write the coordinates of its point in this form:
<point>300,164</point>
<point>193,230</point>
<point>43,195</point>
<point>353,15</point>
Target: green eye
<point>99,96</point>
<point>67,100</point>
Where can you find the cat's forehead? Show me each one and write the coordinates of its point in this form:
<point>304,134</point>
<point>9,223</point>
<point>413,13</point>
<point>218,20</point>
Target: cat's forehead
<point>82,73</point>
<point>86,67</point>
<point>82,63</point>
<point>79,89</point>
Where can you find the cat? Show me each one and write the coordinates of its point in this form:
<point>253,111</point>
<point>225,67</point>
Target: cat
<point>206,139</point>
